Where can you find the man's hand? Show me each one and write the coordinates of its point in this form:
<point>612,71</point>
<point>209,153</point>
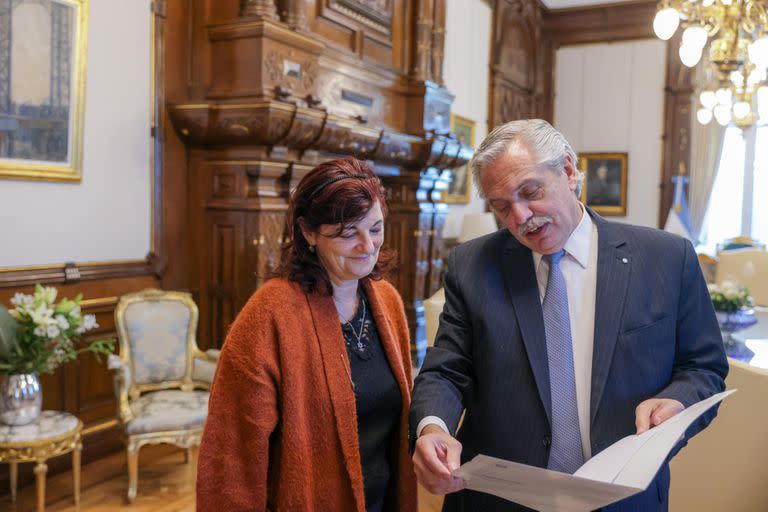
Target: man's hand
<point>655,411</point>
<point>436,455</point>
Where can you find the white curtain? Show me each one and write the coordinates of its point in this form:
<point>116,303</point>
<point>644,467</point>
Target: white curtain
<point>706,145</point>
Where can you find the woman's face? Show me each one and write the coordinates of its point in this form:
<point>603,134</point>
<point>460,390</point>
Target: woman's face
<point>352,254</point>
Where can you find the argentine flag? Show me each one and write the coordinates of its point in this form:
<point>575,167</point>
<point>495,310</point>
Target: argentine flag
<point>678,221</point>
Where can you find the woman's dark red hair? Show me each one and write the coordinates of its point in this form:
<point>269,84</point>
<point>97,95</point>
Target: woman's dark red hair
<point>335,192</point>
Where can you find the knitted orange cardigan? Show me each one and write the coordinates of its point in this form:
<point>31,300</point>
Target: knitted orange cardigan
<point>281,432</point>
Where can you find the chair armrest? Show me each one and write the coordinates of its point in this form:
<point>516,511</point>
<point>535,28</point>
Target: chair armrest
<point>122,383</point>
<point>205,365</point>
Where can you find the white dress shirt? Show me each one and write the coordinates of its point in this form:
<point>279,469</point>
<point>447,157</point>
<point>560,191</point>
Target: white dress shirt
<point>579,267</point>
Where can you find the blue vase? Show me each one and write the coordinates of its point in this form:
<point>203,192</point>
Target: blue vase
<point>731,322</point>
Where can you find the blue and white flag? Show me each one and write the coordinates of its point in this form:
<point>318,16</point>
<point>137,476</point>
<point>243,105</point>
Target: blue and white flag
<point>678,221</point>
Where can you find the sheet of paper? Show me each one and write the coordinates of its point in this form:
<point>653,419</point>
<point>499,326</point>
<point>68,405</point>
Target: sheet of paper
<point>621,470</point>
<point>635,460</point>
<point>538,488</point>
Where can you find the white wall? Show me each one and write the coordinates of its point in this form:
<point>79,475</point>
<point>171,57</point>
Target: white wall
<point>468,54</point>
<point>610,98</point>
<point>106,217</point>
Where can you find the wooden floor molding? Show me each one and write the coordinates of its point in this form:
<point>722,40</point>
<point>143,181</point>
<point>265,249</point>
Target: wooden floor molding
<point>166,484</point>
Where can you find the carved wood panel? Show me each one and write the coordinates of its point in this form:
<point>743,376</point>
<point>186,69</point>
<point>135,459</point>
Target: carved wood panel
<point>262,95</point>
<point>517,69</point>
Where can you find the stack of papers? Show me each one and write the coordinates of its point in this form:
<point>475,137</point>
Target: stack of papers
<point>625,468</point>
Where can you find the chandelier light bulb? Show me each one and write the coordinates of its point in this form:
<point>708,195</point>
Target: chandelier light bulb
<point>726,2</point>
<point>755,77</point>
<point>689,55</point>
<point>707,3</point>
<point>704,115</point>
<point>740,109</point>
<point>758,53</point>
<point>695,36</point>
<point>665,23</point>
<point>708,100</point>
<point>723,97</point>
<point>722,115</point>
<point>737,78</point>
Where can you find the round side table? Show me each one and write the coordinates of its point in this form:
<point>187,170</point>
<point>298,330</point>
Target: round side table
<point>53,433</point>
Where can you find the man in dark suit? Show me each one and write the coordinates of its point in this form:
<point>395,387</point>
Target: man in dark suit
<point>561,334</point>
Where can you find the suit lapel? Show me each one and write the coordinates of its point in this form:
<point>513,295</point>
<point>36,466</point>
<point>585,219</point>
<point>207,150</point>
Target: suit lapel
<point>338,377</point>
<point>523,289</point>
<point>614,263</point>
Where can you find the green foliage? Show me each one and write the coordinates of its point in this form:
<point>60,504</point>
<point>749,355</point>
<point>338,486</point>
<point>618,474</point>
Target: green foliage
<point>38,335</point>
<point>729,297</point>
<point>8,330</point>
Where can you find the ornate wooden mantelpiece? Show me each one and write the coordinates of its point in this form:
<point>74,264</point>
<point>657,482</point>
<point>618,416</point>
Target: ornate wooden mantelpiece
<point>299,129</point>
<point>277,87</point>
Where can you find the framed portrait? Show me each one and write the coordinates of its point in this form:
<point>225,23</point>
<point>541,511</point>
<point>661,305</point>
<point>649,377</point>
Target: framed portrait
<point>460,189</point>
<point>42,88</point>
<point>605,182</point>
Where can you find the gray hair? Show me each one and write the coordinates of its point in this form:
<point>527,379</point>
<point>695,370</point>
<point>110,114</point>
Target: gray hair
<point>538,136</point>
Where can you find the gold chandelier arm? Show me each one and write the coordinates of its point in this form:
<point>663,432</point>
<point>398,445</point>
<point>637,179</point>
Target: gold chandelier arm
<point>754,17</point>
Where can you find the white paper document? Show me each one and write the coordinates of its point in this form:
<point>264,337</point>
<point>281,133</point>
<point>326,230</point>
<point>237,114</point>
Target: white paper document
<point>621,470</point>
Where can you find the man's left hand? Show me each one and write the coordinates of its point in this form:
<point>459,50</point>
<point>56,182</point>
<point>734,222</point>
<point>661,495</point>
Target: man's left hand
<point>655,411</point>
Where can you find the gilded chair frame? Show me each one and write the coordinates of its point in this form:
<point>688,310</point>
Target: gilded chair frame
<point>127,390</point>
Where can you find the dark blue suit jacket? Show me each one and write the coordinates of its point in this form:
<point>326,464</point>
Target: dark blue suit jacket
<point>656,335</point>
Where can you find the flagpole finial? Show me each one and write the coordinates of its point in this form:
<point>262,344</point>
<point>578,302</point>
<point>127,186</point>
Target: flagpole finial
<point>681,168</point>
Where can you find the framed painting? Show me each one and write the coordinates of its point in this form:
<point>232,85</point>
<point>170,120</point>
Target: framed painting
<point>605,182</point>
<point>42,88</point>
<point>460,189</point>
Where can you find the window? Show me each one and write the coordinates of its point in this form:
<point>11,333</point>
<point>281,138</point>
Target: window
<point>739,201</point>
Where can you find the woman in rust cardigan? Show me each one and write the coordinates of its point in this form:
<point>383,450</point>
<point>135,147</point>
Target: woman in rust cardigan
<point>309,406</point>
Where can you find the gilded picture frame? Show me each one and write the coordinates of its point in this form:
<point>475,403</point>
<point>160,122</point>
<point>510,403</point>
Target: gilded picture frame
<point>605,182</point>
<point>460,189</point>
<point>43,49</point>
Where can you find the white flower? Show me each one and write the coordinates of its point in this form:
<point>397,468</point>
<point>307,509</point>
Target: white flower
<point>53,331</point>
<point>74,313</point>
<point>62,322</point>
<point>42,316</point>
<point>40,331</point>
<point>89,322</point>
<point>21,299</point>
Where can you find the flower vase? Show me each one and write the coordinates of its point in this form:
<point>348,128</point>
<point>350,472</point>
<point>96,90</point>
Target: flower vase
<point>21,398</point>
<point>734,321</point>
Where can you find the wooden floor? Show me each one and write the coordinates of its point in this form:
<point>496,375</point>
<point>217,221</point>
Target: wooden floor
<point>166,484</point>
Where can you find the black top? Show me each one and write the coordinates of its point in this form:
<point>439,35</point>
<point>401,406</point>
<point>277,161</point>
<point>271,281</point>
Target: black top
<point>378,401</point>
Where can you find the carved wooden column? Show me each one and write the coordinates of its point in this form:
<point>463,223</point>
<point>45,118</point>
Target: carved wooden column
<point>438,42</point>
<point>423,40</point>
<point>258,8</point>
<point>292,13</point>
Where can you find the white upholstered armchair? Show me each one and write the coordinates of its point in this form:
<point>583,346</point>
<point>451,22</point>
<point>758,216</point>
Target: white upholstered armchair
<point>161,376</point>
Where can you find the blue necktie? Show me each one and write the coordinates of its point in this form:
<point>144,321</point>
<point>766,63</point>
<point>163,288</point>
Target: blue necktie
<point>565,453</point>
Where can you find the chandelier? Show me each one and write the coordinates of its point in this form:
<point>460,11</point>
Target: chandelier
<point>738,54</point>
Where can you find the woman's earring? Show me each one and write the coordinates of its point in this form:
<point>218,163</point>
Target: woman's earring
<point>312,249</point>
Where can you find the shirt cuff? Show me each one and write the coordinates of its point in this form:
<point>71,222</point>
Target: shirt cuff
<point>430,420</point>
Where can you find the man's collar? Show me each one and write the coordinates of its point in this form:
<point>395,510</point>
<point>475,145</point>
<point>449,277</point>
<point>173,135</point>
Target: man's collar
<point>578,243</point>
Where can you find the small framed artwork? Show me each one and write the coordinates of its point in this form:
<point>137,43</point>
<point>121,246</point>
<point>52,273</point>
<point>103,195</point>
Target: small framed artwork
<point>605,182</point>
<point>460,189</point>
<point>42,88</point>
